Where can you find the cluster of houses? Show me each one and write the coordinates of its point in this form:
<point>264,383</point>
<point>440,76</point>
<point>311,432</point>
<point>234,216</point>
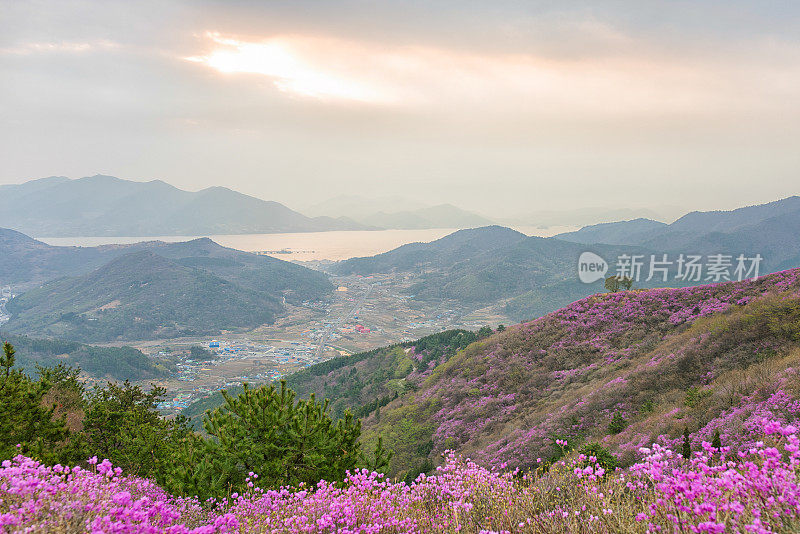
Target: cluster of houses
<point>5,296</point>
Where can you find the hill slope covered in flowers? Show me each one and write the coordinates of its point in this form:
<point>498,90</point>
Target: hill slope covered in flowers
<point>624,369</point>
<point>754,491</point>
<point>694,392</point>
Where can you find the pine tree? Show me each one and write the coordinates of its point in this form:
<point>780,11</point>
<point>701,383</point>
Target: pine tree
<point>618,423</point>
<point>716,441</point>
<point>24,419</point>
<point>122,424</point>
<point>612,284</point>
<point>380,458</point>
<point>485,331</point>
<point>268,432</point>
<point>687,444</point>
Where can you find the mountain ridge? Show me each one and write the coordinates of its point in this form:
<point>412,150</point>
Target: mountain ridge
<point>84,293</point>
<point>139,295</point>
<point>742,230</point>
<point>528,275</point>
<point>25,261</point>
<point>613,233</point>
<point>103,205</point>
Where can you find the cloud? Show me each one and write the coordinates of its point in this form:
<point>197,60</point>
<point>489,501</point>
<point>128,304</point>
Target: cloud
<point>298,66</point>
<point>60,47</point>
<point>507,103</point>
<point>634,83</point>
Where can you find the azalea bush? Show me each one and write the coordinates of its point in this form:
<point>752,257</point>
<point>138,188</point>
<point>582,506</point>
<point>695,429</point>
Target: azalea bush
<point>62,499</point>
<point>755,490</point>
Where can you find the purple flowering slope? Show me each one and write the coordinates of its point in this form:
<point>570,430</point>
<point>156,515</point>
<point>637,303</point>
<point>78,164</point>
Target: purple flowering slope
<point>37,498</point>
<point>753,491</point>
<point>624,369</point>
<point>633,371</point>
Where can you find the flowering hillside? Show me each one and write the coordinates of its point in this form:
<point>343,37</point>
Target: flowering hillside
<point>645,411</point>
<point>753,491</point>
<point>625,369</point>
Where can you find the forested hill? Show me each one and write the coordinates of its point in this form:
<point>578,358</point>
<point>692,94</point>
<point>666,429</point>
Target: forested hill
<point>458,247</point>
<point>261,273</point>
<point>116,363</point>
<point>26,260</point>
<point>529,276</point>
<point>146,289</point>
<point>140,295</point>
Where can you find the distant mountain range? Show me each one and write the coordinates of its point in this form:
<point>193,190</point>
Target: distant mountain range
<point>394,212</point>
<point>146,290</point>
<point>358,206</point>
<point>589,215</point>
<point>441,216</point>
<point>532,276</point>
<point>108,206</point>
<point>772,230</point>
<point>486,266</point>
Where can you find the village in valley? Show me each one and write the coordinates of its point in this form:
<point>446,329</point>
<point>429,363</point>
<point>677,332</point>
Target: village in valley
<point>364,312</point>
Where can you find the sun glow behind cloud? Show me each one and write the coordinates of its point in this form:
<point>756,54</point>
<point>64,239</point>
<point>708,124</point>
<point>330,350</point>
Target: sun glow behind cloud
<point>582,101</point>
<point>440,79</point>
<point>290,62</point>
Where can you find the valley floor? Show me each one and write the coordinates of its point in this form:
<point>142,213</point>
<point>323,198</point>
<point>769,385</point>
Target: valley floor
<point>363,314</point>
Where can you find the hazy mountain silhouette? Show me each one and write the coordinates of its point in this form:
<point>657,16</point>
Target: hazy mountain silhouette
<point>614,233</point>
<point>108,206</point>
<point>772,230</point>
<point>441,216</point>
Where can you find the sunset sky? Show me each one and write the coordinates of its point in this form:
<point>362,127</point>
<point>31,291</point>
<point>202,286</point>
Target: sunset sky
<point>505,107</point>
